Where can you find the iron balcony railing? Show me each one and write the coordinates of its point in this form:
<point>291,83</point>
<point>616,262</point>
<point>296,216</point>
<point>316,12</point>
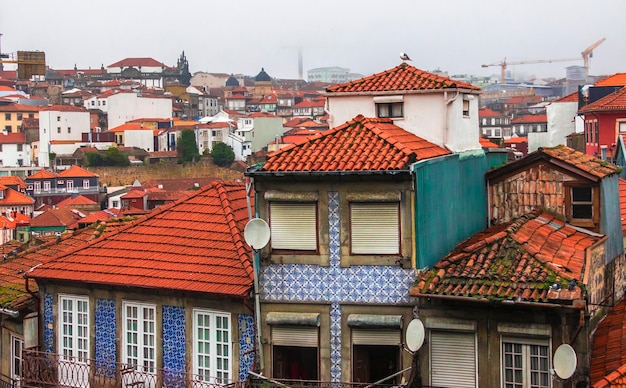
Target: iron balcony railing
<point>40,369</point>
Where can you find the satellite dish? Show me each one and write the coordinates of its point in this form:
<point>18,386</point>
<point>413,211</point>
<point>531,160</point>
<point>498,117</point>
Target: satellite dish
<point>564,361</point>
<point>256,233</point>
<point>414,336</point>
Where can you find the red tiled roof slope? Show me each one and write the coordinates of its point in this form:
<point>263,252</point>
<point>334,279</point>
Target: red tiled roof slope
<point>587,163</point>
<point>42,174</point>
<point>612,102</point>
<point>608,355</point>
<point>403,77</point>
<point>361,144</point>
<point>573,97</point>
<point>75,172</point>
<point>617,79</point>
<point>515,261</point>
<point>195,244</point>
<point>78,200</point>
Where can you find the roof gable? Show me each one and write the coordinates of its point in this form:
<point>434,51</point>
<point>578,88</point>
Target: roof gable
<point>563,157</point>
<point>518,261</point>
<point>76,172</point>
<point>403,77</point>
<point>195,244</point>
<point>362,144</point>
<point>612,102</point>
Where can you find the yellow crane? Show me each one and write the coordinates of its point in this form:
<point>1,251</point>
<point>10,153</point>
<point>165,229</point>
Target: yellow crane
<point>585,55</point>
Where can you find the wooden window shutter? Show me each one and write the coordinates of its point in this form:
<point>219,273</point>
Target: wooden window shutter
<point>293,226</point>
<point>375,228</point>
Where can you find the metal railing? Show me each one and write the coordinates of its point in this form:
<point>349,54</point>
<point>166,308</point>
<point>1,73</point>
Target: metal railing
<point>7,382</point>
<point>42,369</point>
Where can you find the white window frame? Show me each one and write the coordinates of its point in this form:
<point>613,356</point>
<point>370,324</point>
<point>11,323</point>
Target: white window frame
<point>17,345</point>
<point>86,184</point>
<point>143,316</point>
<point>70,185</point>
<point>375,228</point>
<point>46,186</point>
<point>37,187</point>
<point>293,226</point>
<point>526,344</point>
<point>394,110</point>
<point>74,327</point>
<point>214,347</point>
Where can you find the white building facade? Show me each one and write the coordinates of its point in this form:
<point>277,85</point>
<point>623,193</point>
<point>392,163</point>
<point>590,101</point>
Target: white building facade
<point>60,130</point>
<point>124,107</point>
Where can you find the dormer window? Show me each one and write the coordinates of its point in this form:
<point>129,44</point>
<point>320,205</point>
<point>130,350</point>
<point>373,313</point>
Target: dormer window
<point>582,203</point>
<point>389,106</point>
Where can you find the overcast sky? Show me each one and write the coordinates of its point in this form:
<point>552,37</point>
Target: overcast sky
<point>366,36</point>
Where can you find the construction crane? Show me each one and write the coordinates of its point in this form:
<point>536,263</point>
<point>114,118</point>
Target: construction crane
<point>503,64</point>
<point>585,55</point>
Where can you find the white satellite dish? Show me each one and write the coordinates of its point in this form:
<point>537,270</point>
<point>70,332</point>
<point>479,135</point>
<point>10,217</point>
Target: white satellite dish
<point>564,361</point>
<point>414,336</point>
<point>257,233</point>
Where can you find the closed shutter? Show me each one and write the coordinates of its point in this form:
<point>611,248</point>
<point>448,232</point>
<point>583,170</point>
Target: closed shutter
<point>376,337</point>
<point>375,228</point>
<point>452,359</point>
<point>293,226</point>
<point>295,336</point>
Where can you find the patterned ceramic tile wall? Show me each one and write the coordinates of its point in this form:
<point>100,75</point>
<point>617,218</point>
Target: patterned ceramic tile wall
<point>105,336</point>
<point>174,339</point>
<point>356,284</point>
<point>246,344</point>
<point>48,332</point>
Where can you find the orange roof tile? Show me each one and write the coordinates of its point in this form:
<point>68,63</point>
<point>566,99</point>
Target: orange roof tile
<point>76,172</point>
<point>530,119</point>
<point>137,62</point>
<point>514,261</point>
<point>362,144</point>
<point>608,355</point>
<point>195,244</point>
<point>128,127</point>
<point>487,144</point>
<point>13,138</point>
<point>11,272</point>
<point>42,174</point>
<point>612,102</point>
<point>403,77</point>
<point>486,112</point>
<point>78,200</point>
<point>573,97</point>
<point>63,108</point>
<point>13,197</point>
<point>13,180</point>
<point>57,217</point>
<point>618,79</point>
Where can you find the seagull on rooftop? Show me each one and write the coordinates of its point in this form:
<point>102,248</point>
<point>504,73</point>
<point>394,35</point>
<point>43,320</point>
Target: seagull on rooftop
<point>404,57</point>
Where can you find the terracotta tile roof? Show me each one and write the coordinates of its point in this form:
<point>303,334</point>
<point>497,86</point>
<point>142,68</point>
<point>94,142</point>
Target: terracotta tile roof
<point>13,138</point>
<point>403,77</point>
<point>13,197</point>
<point>310,104</point>
<point>14,295</point>
<point>362,144</point>
<point>63,108</point>
<point>76,172</point>
<point>530,119</point>
<point>42,174</point>
<point>13,180</point>
<point>587,163</point>
<point>127,127</point>
<point>622,203</point>
<point>618,79</point>
<point>612,102</point>
<point>78,200</point>
<point>30,123</point>
<point>195,244</point>
<point>569,98</point>
<point>608,355</point>
<point>19,108</point>
<point>136,62</point>
<point>517,261</point>
<point>487,144</point>
<point>486,112</point>
<point>57,217</point>
<point>516,140</point>
<point>135,194</point>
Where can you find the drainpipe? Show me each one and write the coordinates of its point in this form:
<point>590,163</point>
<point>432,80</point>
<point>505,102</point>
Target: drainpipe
<point>255,266</point>
<point>35,296</point>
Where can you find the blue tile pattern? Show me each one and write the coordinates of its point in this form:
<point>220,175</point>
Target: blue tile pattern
<point>48,331</point>
<point>105,337</point>
<point>356,284</point>
<point>246,345</point>
<point>174,338</point>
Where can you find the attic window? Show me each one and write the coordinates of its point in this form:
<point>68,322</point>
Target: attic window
<point>390,109</point>
<point>582,203</point>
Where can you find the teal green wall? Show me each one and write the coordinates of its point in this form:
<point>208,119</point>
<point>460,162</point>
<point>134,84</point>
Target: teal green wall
<point>610,219</point>
<point>450,201</point>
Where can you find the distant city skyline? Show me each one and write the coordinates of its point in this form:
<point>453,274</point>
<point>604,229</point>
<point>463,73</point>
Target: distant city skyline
<point>243,36</point>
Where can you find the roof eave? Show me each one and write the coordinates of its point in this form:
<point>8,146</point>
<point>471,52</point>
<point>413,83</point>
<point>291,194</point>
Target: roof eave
<point>324,173</point>
<point>576,303</point>
<point>396,92</point>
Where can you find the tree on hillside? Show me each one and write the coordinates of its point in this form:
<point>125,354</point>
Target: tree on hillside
<point>186,146</point>
<point>93,159</point>
<point>223,155</point>
<point>112,157</point>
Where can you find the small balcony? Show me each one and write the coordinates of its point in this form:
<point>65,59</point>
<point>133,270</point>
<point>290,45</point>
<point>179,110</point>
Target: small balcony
<point>40,369</point>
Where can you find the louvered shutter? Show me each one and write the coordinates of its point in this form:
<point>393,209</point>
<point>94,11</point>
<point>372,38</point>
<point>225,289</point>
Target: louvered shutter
<point>376,337</point>
<point>293,226</point>
<point>295,336</point>
<point>375,228</point>
<point>452,359</point>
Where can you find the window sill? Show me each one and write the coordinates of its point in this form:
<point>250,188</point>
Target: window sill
<point>312,258</point>
<point>376,260</point>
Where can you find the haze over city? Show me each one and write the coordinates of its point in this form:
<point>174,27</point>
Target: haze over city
<point>241,36</point>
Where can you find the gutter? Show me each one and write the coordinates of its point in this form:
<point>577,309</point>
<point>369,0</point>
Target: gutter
<point>579,307</point>
<point>9,312</point>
